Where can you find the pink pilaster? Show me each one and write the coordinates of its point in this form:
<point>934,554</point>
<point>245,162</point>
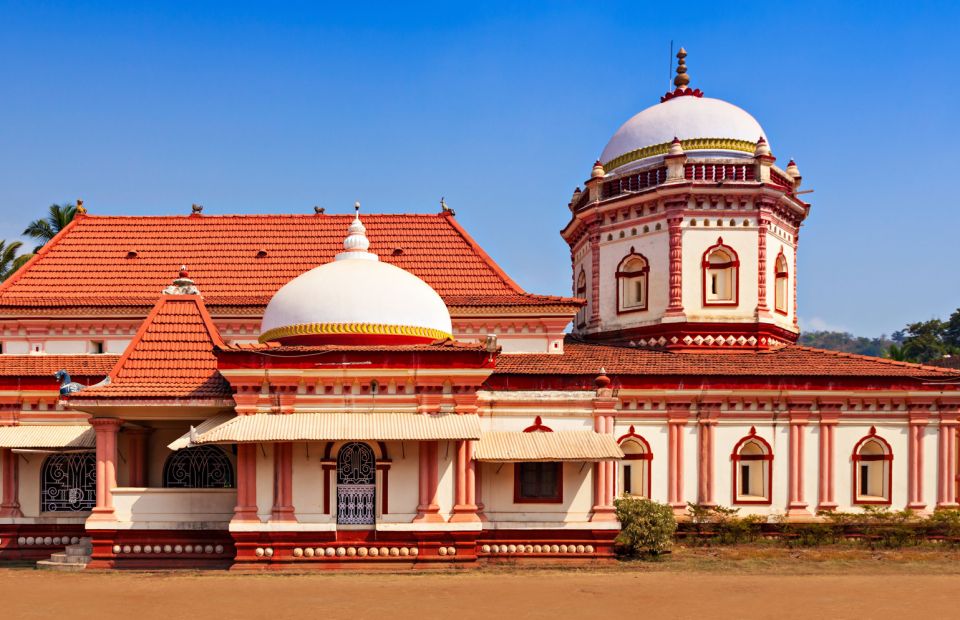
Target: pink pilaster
<point>283,509</point>
<point>799,417</point>
<point>464,509</point>
<point>677,415</point>
<point>709,414</point>
<point>106,433</point>
<point>11,484</point>
<point>595,278</point>
<point>674,221</point>
<point>947,459</point>
<point>428,510</point>
<point>762,308</point>
<point>919,418</point>
<point>246,508</point>
<point>829,415</point>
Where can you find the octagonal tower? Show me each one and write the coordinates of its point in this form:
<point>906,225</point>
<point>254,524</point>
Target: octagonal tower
<point>685,236</point>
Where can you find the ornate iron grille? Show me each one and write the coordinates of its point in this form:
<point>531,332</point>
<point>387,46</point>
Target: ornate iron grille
<point>356,485</point>
<point>69,483</point>
<point>201,467</point>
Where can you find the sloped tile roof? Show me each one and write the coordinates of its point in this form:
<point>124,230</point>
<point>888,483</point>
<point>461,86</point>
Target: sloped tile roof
<point>171,357</point>
<point>241,260</point>
<point>580,358</point>
<point>515,446</point>
<point>45,366</point>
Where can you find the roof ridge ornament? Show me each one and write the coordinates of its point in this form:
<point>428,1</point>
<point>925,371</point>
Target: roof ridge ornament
<point>682,80</point>
<point>356,244</point>
<point>182,285</point>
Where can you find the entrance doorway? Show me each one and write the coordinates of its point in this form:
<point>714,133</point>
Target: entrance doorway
<point>356,485</point>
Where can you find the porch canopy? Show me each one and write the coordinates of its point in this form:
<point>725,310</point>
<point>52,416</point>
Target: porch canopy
<point>48,436</point>
<point>506,447</point>
<point>263,427</point>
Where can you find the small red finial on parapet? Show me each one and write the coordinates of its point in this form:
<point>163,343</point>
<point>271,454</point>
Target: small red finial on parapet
<point>602,381</point>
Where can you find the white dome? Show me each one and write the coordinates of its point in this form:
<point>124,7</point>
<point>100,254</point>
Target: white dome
<point>685,117</point>
<point>356,299</point>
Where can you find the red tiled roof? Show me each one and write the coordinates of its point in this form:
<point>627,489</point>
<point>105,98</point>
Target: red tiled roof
<point>586,359</point>
<point>275,347</point>
<point>241,260</point>
<point>170,357</point>
<point>46,365</point>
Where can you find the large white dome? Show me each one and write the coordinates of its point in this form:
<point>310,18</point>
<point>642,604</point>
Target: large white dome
<point>718,125</point>
<point>356,299</point>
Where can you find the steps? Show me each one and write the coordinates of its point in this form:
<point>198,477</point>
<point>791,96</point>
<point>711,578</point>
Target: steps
<point>73,558</point>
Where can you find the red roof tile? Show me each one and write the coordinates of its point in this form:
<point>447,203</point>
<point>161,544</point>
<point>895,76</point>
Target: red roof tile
<point>44,366</point>
<point>586,359</point>
<point>170,357</point>
<point>241,260</point>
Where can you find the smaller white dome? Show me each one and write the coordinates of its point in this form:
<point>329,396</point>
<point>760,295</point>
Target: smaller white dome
<point>356,299</point>
<point>686,117</point>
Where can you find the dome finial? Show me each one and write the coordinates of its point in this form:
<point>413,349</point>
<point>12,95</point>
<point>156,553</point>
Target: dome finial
<point>356,244</point>
<point>682,78</point>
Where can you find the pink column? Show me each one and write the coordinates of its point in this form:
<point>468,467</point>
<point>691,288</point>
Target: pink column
<point>677,415</point>
<point>595,278</point>
<point>11,485</point>
<point>947,496</point>
<point>464,509</point>
<point>283,509</point>
<point>246,508</point>
<point>106,432</point>
<point>603,473</point>
<point>427,509</point>
<point>829,415</point>
<point>799,416</point>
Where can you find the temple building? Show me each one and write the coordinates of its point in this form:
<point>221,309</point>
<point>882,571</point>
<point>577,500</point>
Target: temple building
<point>261,392</point>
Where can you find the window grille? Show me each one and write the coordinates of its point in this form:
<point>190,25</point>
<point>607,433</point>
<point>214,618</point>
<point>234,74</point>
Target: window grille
<point>356,485</point>
<point>200,467</point>
<point>69,483</point>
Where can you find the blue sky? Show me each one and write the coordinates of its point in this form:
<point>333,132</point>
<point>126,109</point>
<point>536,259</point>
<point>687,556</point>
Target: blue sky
<point>276,107</point>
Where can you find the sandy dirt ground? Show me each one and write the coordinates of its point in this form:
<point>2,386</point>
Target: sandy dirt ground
<point>693,588</point>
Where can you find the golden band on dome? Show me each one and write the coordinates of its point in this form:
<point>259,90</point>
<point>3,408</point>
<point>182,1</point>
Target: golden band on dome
<point>693,144</point>
<point>362,329</point>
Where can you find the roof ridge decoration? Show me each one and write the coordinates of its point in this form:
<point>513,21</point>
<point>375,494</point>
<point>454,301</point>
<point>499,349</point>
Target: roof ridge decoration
<point>682,80</point>
<point>182,285</point>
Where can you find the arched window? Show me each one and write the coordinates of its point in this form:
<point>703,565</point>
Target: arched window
<point>200,467</point>
<point>632,283</point>
<point>752,459</point>
<point>721,268</point>
<point>582,294</point>
<point>781,279</point>
<point>872,460</point>
<point>635,466</point>
<point>68,483</point>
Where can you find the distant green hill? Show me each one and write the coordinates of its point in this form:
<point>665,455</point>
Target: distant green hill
<point>846,342</point>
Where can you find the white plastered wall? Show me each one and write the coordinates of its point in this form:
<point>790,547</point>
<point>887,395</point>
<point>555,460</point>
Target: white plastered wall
<point>497,486</point>
<point>655,247</point>
<point>696,240</point>
<point>846,437</point>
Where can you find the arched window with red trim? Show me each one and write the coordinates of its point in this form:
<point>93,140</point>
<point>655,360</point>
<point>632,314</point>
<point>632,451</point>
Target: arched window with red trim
<point>721,274</point>
<point>632,283</point>
<point>780,284</point>
<point>752,464</point>
<point>635,467</point>
<point>872,470</point>
<point>581,292</point>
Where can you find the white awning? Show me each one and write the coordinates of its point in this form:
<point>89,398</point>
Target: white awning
<point>183,441</point>
<point>505,447</point>
<point>48,436</point>
<point>334,427</point>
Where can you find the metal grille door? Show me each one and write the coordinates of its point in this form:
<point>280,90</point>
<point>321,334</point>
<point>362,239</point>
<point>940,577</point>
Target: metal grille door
<point>356,485</point>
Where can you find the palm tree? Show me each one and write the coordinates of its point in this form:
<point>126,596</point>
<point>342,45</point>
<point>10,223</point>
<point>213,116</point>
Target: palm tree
<point>9,261</point>
<point>45,229</point>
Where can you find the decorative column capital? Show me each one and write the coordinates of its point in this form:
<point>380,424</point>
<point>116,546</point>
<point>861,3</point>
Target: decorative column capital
<point>465,402</point>
<point>106,425</point>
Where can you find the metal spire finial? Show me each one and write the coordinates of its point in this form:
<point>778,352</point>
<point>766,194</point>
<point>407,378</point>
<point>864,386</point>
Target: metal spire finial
<point>682,79</point>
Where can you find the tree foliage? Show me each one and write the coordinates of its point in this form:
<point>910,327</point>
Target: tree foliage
<point>10,261</point>
<point>45,229</point>
<point>846,342</point>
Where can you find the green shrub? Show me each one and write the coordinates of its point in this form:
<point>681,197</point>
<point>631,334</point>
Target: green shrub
<point>943,524</point>
<point>646,527</point>
<point>718,524</point>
